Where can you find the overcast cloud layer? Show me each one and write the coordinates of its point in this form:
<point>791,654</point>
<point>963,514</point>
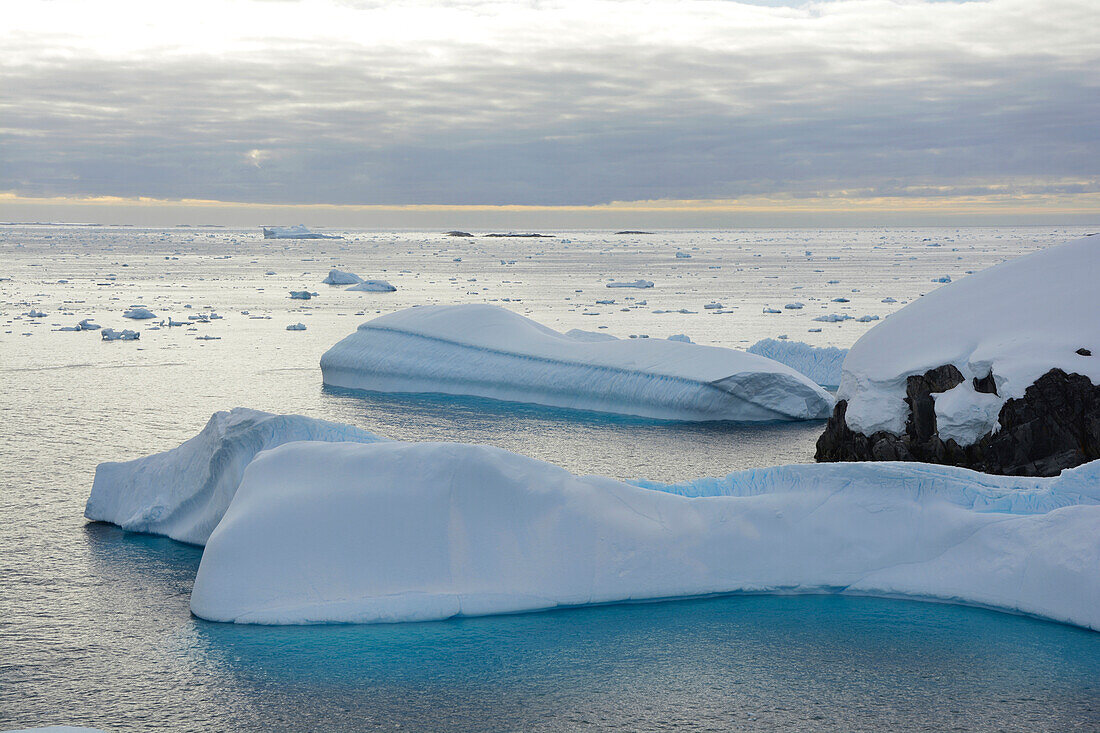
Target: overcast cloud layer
<point>574,102</point>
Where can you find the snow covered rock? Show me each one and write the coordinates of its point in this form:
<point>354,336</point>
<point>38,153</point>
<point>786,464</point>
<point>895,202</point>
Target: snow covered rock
<point>821,364</point>
<point>298,231</point>
<point>487,351</point>
<point>183,492</point>
<point>338,277</point>
<point>336,532</point>
<point>139,313</point>
<point>988,372</point>
<point>372,286</point>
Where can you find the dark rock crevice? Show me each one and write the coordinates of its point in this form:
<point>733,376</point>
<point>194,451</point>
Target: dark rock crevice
<point>1055,425</point>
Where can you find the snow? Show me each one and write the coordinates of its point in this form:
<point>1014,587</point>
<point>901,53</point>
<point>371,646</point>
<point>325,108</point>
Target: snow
<point>110,334</point>
<point>139,313</point>
<point>1019,319</point>
<point>487,351</point>
<point>630,284</point>
<point>337,532</point>
<point>183,492</point>
<point>372,286</point>
<point>821,364</point>
<point>338,277</point>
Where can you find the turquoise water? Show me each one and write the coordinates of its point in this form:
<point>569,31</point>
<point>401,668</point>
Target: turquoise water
<point>94,622</point>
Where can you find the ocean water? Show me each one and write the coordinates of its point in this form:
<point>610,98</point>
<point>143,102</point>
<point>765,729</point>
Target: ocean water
<point>94,622</point>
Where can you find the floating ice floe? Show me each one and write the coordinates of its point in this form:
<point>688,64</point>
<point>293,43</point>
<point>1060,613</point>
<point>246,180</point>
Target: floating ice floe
<point>487,351</point>
<point>683,255</point>
<point>88,325</point>
<point>300,295</point>
<point>833,318</point>
<point>139,313</point>
<point>391,532</point>
<point>296,327</point>
<point>944,279</point>
<point>32,313</point>
<point>682,337</point>
<point>372,286</point>
<point>110,334</point>
<point>183,492</point>
<point>821,364</point>
<point>630,284</point>
<point>795,306</point>
<point>338,277</point>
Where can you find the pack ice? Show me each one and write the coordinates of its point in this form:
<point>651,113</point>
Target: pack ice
<point>1016,321</point>
<point>183,492</point>
<point>387,532</point>
<point>487,351</point>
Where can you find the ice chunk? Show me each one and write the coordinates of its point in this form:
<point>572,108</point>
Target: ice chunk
<point>110,334</point>
<point>630,284</point>
<point>683,337</point>
<point>821,364</point>
<point>488,351</point>
<point>87,325</point>
<point>32,313</point>
<point>372,286</point>
<point>338,277</point>
<point>139,313</point>
<point>300,295</point>
<point>296,327</point>
<point>833,318</point>
<point>681,255</point>
<point>1019,319</point>
<point>337,532</point>
<point>183,492</point>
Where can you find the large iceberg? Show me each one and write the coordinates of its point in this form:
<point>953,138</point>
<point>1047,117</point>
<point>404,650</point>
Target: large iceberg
<point>488,351</point>
<point>938,372</point>
<point>821,364</point>
<point>339,532</point>
<point>183,492</point>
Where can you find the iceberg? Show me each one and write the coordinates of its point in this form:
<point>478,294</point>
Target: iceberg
<point>338,277</point>
<point>630,284</point>
<point>296,327</point>
<point>110,334</point>
<point>295,232</point>
<point>372,286</point>
<point>391,532</point>
<point>821,364</point>
<point>183,492</point>
<point>487,351</point>
<point>139,313</point>
<point>300,295</point>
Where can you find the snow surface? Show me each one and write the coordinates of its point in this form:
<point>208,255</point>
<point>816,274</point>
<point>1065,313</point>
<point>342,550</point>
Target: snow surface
<point>338,532</point>
<point>338,277</point>
<point>488,351</point>
<point>183,492</point>
<point>821,364</point>
<point>1021,319</point>
<point>372,286</point>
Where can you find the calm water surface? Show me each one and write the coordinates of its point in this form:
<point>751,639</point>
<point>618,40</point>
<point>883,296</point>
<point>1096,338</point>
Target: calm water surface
<point>94,622</point>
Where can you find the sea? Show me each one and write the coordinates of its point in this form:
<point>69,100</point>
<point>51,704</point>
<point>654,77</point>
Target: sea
<point>94,622</point>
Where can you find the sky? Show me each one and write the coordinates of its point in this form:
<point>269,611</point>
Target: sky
<point>552,112</point>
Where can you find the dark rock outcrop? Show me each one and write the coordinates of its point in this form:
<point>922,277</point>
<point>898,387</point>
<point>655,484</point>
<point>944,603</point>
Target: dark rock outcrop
<point>457,233</point>
<point>1055,425</point>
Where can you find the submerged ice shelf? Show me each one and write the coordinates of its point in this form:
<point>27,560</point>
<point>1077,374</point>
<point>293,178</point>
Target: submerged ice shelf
<point>488,351</point>
<point>388,532</point>
<point>183,492</point>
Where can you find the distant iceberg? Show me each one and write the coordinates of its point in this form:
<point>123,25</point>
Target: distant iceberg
<point>372,286</point>
<point>487,351</point>
<point>295,232</point>
<point>821,364</point>
<point>183,492</point>
<point>630,284</point>
<point>336,532</point>
<point>339,277</point>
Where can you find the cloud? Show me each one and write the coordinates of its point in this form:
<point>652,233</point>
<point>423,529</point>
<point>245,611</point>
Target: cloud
<point>546,103</point>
